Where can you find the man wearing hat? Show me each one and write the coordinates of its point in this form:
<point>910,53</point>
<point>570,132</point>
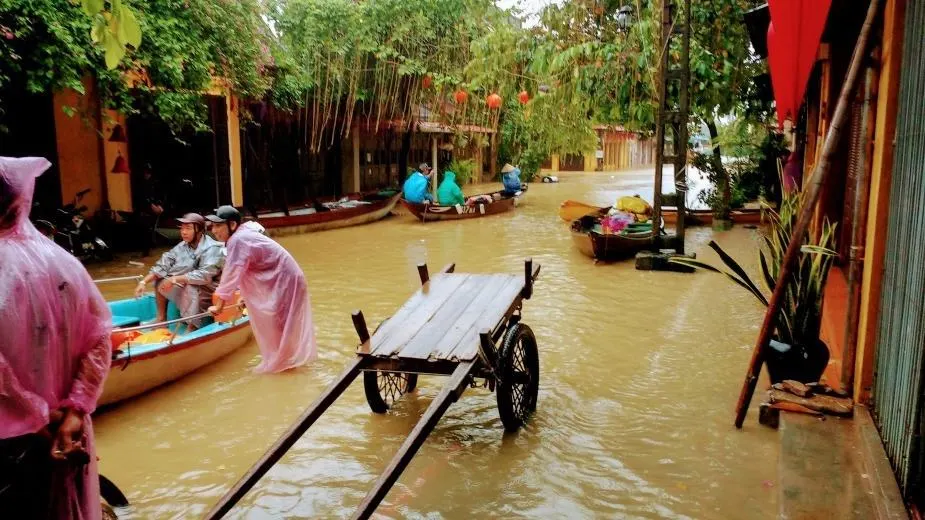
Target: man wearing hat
<point>187,274</point>
<point>415,187</point>
<point>274,287</point>
<point>510,177</point>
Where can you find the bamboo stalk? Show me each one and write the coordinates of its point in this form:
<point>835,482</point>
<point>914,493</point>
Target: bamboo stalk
<point>811,197</point>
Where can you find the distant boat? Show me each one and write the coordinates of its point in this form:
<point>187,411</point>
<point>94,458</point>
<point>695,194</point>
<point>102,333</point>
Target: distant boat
<point>571,210</point>
<point>590,239</point>
<point>138,368</point>
<point>433,212</point>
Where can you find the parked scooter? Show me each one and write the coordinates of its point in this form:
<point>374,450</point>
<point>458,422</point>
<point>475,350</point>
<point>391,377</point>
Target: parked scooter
<point>70,229</point>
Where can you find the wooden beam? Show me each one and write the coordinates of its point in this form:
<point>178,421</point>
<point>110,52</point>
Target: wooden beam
<point>423,274</point>
<point>359,323</point>
<point>413,443</point>
<point>810,198</point>
<point>528,279</point>
<point>282,445</point>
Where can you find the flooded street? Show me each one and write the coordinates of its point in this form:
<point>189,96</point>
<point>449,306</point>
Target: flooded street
<point>639,376</point>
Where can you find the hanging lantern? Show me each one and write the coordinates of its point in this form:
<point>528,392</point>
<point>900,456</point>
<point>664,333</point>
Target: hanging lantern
<point>523,97</point>
<point>118,134</point>
<point>121,165</point>
<point>494,101</point>
<point>460,97</point>
<point>427,82</point>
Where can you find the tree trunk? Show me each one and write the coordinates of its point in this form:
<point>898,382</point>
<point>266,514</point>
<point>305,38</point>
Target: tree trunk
<point>723,186</point>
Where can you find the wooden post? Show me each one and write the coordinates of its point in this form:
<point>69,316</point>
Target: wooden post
<point>356,182</point>
<point>528,279</point>
<point>433,178</point>
<point>422,272</point>
<point>281,446</point>
<point>359,323</point>
<point>413,443</point>
<point>810,198</point>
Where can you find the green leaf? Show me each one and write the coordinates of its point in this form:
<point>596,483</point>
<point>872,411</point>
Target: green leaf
<point>129,30</point>
<point>92,7</point>
<point>113,51</point>
<point>97,32</point>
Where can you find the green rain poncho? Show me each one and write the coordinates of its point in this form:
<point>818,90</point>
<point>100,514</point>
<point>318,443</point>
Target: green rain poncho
<point>449,193</point>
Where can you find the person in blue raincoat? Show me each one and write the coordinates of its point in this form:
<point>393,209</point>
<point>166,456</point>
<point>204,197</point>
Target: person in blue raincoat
<point>415,187</point>
<point>510,177</point>
<point>449,193</point>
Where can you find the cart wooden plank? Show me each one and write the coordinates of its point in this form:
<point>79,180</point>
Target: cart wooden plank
<point>434,337</point>
<point>492,313</point>
<point>427,340</point>
<point>401,327</point>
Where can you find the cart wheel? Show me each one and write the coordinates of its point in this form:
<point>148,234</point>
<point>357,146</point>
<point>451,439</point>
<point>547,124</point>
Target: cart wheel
<point>384,389</point>
<point>518,376</point>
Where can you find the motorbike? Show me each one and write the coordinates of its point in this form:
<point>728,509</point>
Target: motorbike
<point>70,229</point>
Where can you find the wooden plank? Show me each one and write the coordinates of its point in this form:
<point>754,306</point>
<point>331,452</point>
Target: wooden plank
<point>407,324</point>
<point>413,443</point>
<point>428,337</point>
<point>468,344</point>
<point>469,318</point>
<point>282,445</point>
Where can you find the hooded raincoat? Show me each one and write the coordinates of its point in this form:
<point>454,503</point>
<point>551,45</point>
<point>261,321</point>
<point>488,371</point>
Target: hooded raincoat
<point>415,188</point>
<point>511,181</point>
<point>278,303</point>
<point>449,193</point>
<point>55,347</point>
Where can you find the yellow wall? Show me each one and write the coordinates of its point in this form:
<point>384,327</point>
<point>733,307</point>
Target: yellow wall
<point>79,146</point>
<point>119,185</point>
<point>234,150</point>
<point>878,209</point>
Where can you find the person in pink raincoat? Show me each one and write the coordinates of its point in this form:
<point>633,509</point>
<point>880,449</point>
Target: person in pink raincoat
<point>274,288</point>
<point>54,356</point>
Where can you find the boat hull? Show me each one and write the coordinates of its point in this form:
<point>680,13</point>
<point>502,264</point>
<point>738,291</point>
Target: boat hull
<point>133,374</point>
<point>433,212</point>
<point>322,221</point>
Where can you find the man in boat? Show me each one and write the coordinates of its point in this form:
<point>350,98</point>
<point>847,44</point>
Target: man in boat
<point>187,274</point>
<point>449,193</point>
<point>415,187</point>
<point>510,177</point>
<point>54,356</point>
<point>275,289</point>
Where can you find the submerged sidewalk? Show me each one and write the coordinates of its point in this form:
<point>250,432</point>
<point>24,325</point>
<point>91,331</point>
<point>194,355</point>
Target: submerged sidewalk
<point>836,469</point>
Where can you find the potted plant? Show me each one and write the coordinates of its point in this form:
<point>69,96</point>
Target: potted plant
<point>796,352</point>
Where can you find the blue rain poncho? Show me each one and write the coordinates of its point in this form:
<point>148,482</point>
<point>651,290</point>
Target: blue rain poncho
<point>449,193</point>
<point>511,181</point>
<point>415,188</point>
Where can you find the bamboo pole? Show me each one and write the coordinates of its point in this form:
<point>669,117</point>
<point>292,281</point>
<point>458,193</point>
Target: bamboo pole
<point>810,198</point>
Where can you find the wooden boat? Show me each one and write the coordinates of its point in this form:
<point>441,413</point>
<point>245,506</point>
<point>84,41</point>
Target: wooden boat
<point>591,241</point>
<point>360,210</point>
<point>433,212</point>
<point>571,210</point>
<point>137,368</point>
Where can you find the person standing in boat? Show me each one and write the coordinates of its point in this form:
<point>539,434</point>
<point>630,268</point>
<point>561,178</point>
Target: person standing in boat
<point>510,177</point>
<point>415,188</point>
<point>274,287</point>
<point>187,274</point>
<point>54,356</point>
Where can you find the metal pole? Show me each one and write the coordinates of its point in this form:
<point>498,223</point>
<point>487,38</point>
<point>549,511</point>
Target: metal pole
<point>810,198</point>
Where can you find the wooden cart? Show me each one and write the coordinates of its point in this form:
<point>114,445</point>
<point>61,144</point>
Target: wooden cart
<point>465,326</point>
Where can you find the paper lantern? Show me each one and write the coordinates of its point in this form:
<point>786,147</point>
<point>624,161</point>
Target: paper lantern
<point>121,165</point>
<point>493,100</point>
<point>523,97</point>
<point>118,135</point>
<point>427,82</point>
<point>460,97</point>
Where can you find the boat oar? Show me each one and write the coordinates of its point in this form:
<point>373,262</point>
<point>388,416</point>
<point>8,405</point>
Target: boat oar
<point>118,279</point>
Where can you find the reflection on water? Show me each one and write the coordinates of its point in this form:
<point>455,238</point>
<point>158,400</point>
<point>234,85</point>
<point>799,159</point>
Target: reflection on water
<point>640,371</point>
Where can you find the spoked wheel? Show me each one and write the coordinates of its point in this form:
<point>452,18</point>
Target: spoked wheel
<point>384,389</point>
<point>518,376</point>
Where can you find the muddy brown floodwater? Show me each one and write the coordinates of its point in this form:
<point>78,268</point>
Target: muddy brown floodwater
<point>639,376</point>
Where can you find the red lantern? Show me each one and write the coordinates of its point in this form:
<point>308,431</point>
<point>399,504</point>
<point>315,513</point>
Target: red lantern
<point>426,82</point>
<point>460,97</point>
<point>121,165</point>
<point>523,97</point>
<point>493,100</point>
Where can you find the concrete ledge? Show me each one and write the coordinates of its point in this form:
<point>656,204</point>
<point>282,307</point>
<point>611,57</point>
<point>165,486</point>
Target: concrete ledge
<point>836,469</point>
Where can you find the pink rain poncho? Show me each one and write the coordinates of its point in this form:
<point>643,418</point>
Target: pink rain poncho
<point>55,347</point>
<point>274,288</point>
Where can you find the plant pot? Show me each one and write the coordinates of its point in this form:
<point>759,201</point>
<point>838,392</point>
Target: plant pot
<point>803,363</point>
<point>722,224</point>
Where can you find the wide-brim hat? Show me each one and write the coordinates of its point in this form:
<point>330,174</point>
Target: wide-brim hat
<point>507,168</point>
